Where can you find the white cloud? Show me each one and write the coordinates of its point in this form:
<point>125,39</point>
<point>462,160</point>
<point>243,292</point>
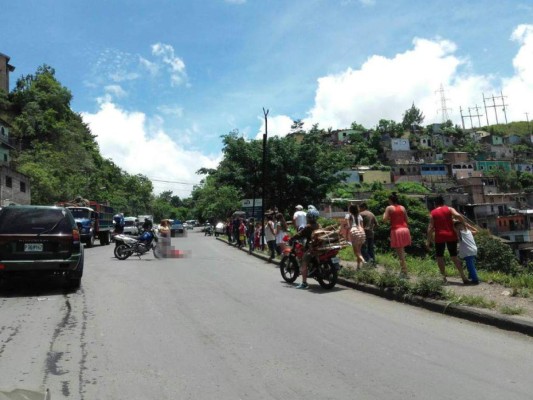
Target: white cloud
<point>174,64</point>
<point>278,125</point>
<point>140,146</point>
<point>150,66</point>
<point>385,87</point>
<point>115,90</point>
<point>519,88</point>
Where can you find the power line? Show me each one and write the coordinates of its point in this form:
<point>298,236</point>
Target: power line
<point>180,183</point>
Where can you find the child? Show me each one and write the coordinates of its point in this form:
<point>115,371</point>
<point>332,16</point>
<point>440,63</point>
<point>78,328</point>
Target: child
<point>467,248</point>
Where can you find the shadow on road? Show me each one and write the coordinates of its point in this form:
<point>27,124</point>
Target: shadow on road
<point>29,286</point>
<point>314,288</point>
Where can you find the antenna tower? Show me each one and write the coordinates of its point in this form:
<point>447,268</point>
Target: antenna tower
<point>443,108</point>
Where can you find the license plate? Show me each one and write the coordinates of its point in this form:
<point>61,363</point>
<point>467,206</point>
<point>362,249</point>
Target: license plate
<point>335,260</point>
<point>33,247</point>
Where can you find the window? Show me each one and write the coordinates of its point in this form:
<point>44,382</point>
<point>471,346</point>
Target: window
<point>5,157</point>
<point>23,186</point>
<point>3,131</point>
<point>9,182</point>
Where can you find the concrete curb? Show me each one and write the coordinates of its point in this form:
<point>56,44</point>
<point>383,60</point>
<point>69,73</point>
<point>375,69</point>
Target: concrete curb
<point>471,314</point>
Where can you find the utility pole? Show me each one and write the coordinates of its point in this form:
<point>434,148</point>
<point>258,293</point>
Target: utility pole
<point>265,137</point>
<point>495,106</point>
<point>528,127</point>
<point>462,118</point>
<point>478,115</point>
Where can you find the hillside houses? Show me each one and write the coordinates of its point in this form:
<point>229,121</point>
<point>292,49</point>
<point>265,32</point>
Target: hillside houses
<point>468,184</point>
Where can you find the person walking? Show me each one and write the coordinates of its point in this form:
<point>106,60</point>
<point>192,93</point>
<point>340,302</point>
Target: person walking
<point>370,223</point>
<point>441,225</point>
<point>299,219</point>
<point>400,236</point>
<point>355,233</point>
<point>270,236</point>
<point>467,248</point>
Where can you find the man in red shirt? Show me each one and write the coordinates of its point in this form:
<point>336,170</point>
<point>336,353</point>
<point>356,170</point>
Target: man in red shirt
<point>441,224</point>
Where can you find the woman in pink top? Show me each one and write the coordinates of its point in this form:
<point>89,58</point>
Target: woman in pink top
<point>400,237</point>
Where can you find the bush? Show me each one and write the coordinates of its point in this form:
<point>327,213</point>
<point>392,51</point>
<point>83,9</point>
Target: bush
<point>494,255</point>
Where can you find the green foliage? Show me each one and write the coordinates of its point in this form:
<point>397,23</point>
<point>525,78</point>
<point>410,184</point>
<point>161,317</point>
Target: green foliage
<point>213,202</point>
<point>412,116</point>
<point>512,310</point>
<point>493,255</point>
<point>412,188</point>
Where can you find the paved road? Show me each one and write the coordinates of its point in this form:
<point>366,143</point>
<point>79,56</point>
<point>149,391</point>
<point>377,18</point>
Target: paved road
<point>222,325</point>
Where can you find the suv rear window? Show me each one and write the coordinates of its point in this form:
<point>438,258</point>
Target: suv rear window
<point>34,220</point>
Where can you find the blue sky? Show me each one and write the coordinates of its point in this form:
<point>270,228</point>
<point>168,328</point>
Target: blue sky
<point>164,79</point>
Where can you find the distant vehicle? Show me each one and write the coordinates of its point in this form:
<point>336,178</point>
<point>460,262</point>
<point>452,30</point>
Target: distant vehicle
<point>187,225</point>
<point>220,228</point>
<point>176,228</point>
<point>131,225</point>
<point>94,220</point>
<point>143,218</point>
<point>40,240</point>
<point>192,222</point>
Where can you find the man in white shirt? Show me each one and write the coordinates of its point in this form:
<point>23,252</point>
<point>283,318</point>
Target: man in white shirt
<point>299,218</point>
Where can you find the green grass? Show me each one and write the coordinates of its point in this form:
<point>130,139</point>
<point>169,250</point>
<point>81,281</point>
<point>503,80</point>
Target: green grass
<point>512,310</point>
<point>467,300</point>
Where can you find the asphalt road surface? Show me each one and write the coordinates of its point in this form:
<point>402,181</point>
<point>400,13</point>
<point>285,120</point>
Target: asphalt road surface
<point>223,325</point>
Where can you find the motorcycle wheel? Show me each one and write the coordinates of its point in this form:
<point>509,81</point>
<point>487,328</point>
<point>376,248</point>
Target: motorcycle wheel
<point>289,269</point>
<point>157,252</point>
<point>122,251</point>
<point>327,275</point>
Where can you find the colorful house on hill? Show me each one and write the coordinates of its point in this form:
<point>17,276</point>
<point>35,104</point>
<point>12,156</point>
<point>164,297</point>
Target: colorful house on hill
<point>490,165</point>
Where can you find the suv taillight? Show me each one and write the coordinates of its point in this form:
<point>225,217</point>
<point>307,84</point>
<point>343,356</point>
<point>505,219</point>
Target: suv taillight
<point>75,235</point>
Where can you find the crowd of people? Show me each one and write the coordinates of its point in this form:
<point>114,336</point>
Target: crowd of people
<point>447,230</point>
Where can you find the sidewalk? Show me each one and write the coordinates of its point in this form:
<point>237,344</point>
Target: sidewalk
<point>494,292</point>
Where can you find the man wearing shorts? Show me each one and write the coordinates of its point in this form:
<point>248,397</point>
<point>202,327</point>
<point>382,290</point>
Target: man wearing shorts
<point>441,225</point>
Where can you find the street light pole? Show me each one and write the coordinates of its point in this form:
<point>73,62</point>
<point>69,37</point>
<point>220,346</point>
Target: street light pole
<point>265,137</point>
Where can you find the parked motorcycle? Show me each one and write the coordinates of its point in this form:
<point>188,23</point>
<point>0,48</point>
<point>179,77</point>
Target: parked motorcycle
<point>127,246</point>
<point>323,267</point>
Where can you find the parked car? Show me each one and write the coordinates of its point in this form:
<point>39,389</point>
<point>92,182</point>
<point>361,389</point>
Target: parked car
<point>176,228</point>
<point>130,225</point>
<point>220,228</point>
<point>188,226</point>
<point>42,240</point>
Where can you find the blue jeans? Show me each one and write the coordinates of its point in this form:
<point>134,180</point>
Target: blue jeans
<point>368,250</point>
<point>471,267</point>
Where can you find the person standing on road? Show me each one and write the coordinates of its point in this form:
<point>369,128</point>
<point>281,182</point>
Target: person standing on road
<point>242,233</point>
<point>270,236</point>
<point>250,230</point>
<point>441,225</point>
<point>281,231</point>
<point>370,223</point>
<point>307,234</point>
<point>467,248</point>
<point>400,237</point>
<point>299,219</point>
<point>164,233</point>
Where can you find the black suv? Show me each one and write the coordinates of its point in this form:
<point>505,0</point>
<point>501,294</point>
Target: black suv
<point>40,239</point>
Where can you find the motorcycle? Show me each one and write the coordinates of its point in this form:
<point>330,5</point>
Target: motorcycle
<point>127,246</point>
<point>208,231</point>
<point>324,266</point>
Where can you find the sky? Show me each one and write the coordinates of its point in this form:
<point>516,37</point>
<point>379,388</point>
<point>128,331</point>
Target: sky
<point>159,82</point>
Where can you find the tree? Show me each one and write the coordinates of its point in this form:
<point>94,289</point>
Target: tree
<point>412,117</point>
